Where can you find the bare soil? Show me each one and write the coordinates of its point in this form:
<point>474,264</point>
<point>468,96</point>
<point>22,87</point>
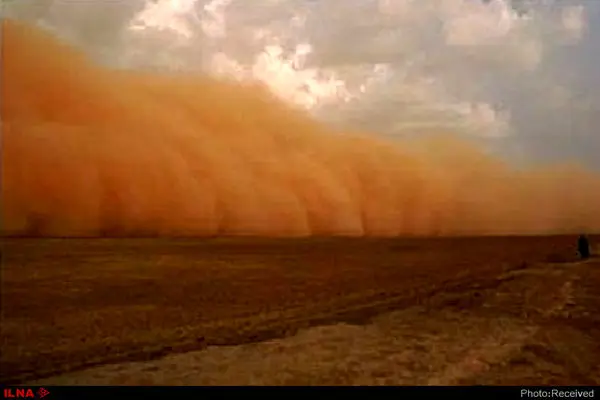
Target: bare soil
<point>516,310</point>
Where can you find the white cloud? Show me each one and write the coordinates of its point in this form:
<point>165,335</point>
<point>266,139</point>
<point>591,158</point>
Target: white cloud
<point>573,21</point>
<point>391,59</point>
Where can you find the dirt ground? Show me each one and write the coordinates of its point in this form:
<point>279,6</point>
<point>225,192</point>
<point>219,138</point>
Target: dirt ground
<point>311,311</point>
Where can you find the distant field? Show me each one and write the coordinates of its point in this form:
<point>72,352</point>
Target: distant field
<point>68,304</point>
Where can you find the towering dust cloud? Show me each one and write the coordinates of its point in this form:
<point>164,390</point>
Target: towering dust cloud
<point>93,151</point>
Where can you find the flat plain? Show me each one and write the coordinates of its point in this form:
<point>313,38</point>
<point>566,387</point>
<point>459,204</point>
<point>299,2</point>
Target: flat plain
<point>487,310</point>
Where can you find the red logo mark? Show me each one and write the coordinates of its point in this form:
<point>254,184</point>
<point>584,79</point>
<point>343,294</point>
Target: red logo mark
<point>22,393</point>
<point>18,393</point>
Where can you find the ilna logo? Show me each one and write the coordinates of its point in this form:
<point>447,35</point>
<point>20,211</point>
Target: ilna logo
<point>23,393</point>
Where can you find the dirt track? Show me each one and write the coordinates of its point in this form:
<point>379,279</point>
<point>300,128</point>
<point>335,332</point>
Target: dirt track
<point>70,304</point>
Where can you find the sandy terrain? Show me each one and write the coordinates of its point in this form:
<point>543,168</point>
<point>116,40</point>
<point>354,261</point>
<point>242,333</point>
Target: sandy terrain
<point>318,311</point>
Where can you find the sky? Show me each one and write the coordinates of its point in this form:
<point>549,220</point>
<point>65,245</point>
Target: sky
<point>521,77</point>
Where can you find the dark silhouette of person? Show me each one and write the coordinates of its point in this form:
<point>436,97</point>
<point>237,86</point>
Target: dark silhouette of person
<point>583,247</point>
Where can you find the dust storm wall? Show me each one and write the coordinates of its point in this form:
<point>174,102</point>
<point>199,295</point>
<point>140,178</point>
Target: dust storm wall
<point>91,151</point>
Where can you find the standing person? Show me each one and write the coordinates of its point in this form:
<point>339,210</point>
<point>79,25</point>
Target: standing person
<point>583,246</point>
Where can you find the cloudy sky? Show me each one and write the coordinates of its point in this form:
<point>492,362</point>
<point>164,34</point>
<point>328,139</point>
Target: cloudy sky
<point>522,76</point>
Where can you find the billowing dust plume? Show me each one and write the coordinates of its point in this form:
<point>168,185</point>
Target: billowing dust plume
<point>90,151</point>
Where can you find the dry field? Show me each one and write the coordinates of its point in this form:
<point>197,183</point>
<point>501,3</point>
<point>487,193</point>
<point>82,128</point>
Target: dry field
<point>516,310</point>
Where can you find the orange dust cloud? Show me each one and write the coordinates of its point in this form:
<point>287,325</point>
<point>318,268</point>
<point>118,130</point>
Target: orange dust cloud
<point>89,151</point>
